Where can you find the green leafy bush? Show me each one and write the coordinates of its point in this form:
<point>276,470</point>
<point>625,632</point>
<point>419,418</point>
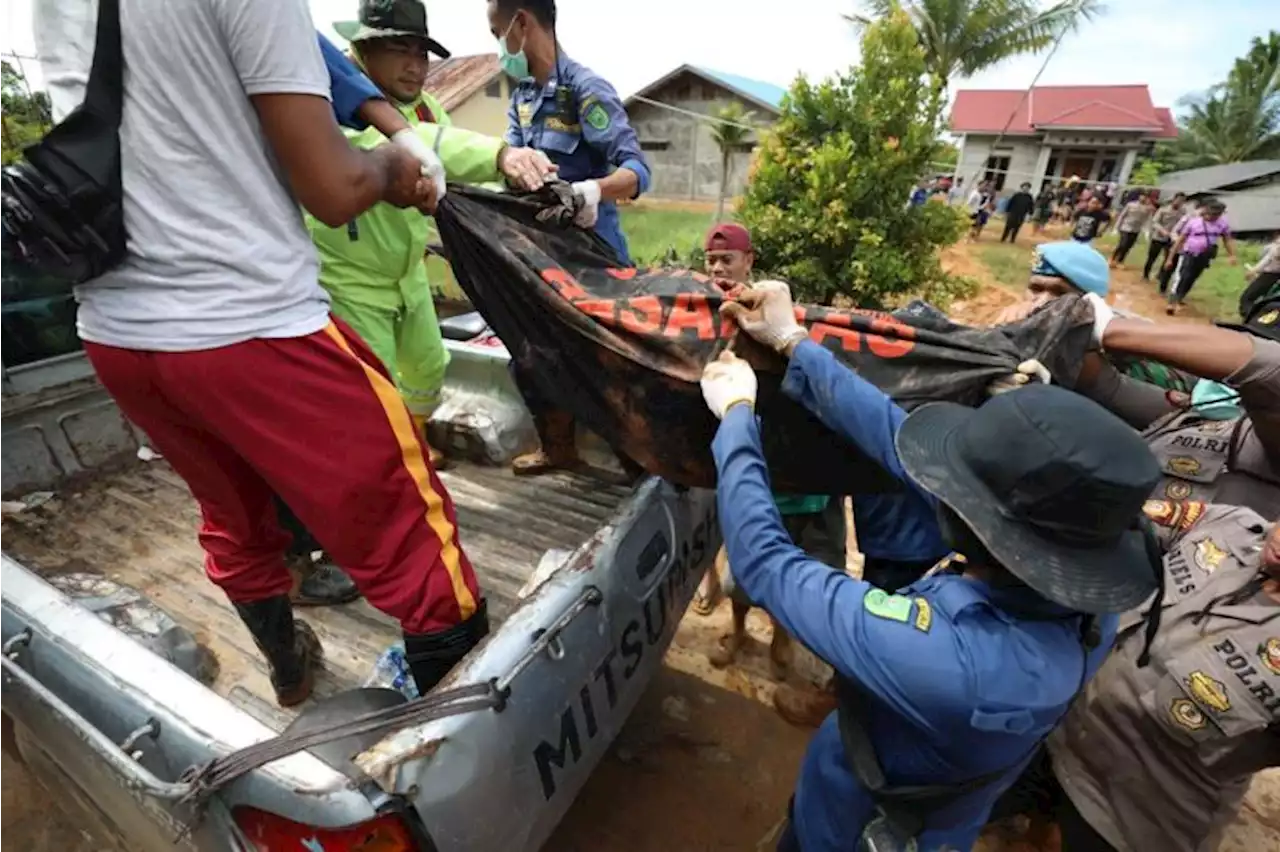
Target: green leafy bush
<point>826,204</point>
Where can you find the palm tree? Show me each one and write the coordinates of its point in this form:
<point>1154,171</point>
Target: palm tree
<point>731,132</point>
<point>962,37</point>
<point>1239,119</point>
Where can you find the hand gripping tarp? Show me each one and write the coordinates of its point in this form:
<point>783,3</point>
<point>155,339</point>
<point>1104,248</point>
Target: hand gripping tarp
<point>623,349</point>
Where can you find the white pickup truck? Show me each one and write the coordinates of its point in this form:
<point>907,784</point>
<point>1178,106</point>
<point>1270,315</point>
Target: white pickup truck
<point>123,667</point>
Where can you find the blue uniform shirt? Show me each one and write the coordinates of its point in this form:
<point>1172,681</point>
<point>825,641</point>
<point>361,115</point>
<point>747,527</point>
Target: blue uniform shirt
<point>348,86</point>
<point>577,120</point>
<point>958,685</point>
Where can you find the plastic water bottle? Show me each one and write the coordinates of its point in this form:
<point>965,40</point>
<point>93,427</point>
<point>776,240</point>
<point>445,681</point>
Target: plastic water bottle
<point>391,671</point>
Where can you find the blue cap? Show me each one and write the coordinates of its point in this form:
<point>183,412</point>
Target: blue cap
<point>1083,266</point>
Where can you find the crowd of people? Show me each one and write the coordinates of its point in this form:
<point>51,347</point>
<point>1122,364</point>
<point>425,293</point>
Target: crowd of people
<point>1068,607</point>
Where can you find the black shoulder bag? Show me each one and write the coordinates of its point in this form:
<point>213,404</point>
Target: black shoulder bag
<point>63,208</point>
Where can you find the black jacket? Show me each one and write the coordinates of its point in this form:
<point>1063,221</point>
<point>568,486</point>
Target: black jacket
<point>1020,206</point>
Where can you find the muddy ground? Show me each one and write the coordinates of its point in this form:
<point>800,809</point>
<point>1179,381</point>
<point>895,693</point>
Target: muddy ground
<point>704,764</point>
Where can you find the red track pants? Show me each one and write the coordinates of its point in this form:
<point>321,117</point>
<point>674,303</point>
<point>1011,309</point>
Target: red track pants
<point>317,420</point>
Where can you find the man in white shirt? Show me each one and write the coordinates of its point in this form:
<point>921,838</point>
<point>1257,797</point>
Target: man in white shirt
<point>214,335</point>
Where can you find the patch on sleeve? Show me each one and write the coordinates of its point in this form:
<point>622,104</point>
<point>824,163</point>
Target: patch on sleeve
<point>924,615</point>
<point>1174,515</point>
<point>881,604</point>
<point>597,116</point>
<point>1186,714</point>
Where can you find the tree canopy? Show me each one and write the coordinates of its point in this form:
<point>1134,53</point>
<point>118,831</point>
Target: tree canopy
<point>26,114</point>
<point>962,37</point>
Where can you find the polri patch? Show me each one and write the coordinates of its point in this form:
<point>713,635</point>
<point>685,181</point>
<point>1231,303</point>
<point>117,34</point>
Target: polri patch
<point>1269,653</point>
<point>1178,490</point>
<point>881,604</point>
<point>1186,714</point>
<point>1184,465</point>
<point>597,116</point>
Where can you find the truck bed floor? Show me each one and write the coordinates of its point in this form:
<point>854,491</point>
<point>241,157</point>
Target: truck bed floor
<point>138,527</point>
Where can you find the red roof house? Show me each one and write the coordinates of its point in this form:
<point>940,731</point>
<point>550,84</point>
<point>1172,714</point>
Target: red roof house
<point>1091,132</point>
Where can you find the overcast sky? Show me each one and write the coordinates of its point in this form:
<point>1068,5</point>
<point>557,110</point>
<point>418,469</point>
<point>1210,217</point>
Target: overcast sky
<point>1175,47</point>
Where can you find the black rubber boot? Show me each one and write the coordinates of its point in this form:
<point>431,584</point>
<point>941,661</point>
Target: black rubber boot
<point>291,648</point>
<point>431,656</point>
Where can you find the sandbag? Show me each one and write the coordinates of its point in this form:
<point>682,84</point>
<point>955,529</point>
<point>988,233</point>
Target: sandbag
<point>623,349</point>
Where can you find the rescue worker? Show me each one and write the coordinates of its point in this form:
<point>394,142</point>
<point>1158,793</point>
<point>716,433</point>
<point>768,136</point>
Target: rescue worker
<point>1226,451</point>
<point>1058,269</point>
<point>1062,268</point>
<point>814,521</point>
<point>214,336</point>
<point>1159,756</point>
<point>373,267</point>
<point>948,687</point>
<point>564,109</point>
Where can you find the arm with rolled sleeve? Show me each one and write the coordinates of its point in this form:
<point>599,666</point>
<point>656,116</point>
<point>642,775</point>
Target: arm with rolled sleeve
<point>906,666</point>
<point>348,87</point>
<point>616,138</point>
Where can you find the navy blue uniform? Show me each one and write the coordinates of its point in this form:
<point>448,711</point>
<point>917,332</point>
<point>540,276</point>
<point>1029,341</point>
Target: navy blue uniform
<point>578,121</point>
<point>348,86</point>
<point>958,686</point>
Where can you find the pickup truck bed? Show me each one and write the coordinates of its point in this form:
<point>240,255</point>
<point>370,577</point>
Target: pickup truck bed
<point>138,526</point>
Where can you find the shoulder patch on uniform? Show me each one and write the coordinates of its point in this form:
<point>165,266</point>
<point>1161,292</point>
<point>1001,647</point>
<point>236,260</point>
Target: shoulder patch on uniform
<point>1177,490</point>
<point>597,116</point>
<point>924,615</point>
<point>1184,465</point>
<point>1269,654</point>
<point>1173,514</point>
<point>1186,714</point>
<point>881,604</point>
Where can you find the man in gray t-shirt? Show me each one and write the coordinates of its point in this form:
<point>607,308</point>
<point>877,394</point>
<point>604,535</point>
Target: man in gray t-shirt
<point>214,335</point>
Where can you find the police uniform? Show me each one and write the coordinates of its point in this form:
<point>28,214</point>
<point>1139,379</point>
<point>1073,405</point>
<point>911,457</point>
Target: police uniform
<point>957,685</point>
<point>1230,462</point>
<point>1158,757</point>
<point>578,121</point>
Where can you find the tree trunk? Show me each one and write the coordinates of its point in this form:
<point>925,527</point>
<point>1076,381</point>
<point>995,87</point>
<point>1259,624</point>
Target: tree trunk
<point>724,184</point>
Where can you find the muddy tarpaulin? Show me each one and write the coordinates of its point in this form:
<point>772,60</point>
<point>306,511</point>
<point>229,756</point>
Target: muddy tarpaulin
<point>623,349</point>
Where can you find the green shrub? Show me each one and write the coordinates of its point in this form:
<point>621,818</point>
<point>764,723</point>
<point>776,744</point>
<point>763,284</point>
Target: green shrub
<point>826,204</point>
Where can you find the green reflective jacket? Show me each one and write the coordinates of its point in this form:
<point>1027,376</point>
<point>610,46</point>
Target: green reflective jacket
<point>377,259</point>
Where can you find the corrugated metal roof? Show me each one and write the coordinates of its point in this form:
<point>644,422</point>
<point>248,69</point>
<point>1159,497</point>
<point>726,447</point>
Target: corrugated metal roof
<point>457,78</point>
<point>1212,178</point>
<point>1047,107</point>
<point>760,90</point>
<point>764,95</point>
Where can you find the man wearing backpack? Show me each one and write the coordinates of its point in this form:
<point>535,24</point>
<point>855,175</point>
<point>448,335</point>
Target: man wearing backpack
<point>214,336</point>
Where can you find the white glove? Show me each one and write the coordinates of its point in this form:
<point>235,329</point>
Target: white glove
<point>1027,372</point>
<point>726,382</point>
<point>431,165</point>
<point>765,311</point>
<point>1102,316</point>
<point>589,192</point>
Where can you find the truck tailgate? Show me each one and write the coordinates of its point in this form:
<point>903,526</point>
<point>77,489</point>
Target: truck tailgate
<point>138,526</point>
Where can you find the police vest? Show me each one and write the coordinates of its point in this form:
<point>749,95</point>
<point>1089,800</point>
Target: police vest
<point>1203,716</point>
<point>1214,461</point>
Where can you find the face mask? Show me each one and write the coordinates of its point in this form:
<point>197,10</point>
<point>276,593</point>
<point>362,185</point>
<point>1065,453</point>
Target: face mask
<point>1216,401</point>
<point>516,65</point>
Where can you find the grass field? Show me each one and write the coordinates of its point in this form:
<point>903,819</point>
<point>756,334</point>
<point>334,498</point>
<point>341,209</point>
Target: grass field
<point>652,230</point>
<point>1216,294</point>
